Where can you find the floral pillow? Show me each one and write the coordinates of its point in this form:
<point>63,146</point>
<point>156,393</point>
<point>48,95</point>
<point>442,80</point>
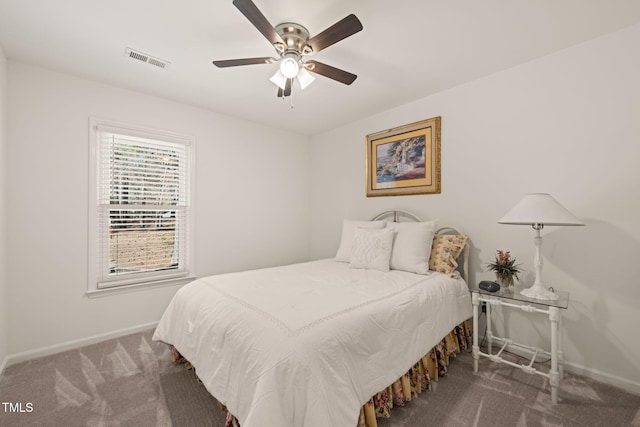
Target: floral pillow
<point>445,250</point>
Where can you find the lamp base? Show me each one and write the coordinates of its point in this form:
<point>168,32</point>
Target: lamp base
<point>539,292</point>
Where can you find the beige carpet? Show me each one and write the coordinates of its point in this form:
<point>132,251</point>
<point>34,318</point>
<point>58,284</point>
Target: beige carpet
<point>131,382</point>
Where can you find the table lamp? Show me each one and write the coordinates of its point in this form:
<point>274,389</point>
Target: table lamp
<point>538,210</point>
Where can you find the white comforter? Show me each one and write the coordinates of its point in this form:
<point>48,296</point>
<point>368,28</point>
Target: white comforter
<point>307,344</point>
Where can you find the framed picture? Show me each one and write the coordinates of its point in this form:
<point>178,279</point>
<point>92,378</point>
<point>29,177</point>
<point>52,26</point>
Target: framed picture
<point>404,160</point>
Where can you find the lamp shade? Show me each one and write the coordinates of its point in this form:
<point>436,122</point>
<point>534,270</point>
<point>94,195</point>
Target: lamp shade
<point>539,208</point>
<point>279,79</point>
<point>304,78</point>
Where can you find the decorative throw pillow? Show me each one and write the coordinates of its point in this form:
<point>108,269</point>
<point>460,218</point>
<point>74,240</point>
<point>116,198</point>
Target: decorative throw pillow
<point>445,251</point>
<point>412,246</point>
<point>346,241</point>
<point>371,248</point>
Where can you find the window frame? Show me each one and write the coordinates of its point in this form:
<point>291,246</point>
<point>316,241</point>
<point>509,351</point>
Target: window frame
<point>96,287</point>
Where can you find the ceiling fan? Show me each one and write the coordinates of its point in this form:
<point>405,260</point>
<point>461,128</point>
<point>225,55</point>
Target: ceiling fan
<point>293,44</point>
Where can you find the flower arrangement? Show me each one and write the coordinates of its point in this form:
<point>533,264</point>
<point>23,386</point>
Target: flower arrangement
<point>504,267</point>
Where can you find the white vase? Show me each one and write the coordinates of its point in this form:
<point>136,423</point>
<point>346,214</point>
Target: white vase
<point>505,281</point>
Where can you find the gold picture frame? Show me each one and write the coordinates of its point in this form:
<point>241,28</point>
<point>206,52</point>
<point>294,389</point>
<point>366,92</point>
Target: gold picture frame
<point>404,160</point>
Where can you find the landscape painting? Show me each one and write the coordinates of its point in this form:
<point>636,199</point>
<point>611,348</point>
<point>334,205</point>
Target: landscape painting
<point>404,160</point>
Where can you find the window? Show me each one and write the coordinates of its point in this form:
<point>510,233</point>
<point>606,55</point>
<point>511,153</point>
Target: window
<point>140,207</point>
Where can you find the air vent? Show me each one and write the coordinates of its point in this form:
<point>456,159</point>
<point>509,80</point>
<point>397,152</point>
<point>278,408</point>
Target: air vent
<point>140,56</point>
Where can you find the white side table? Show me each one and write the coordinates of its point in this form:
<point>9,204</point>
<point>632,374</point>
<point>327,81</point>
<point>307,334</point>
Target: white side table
<point>511,298</point>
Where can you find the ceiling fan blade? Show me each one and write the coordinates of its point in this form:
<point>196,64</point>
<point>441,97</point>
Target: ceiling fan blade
<point>287,89</point>
<point>331,72</point>
<point>338,31</point>
<point>253,14</point>
<point>244,61</point>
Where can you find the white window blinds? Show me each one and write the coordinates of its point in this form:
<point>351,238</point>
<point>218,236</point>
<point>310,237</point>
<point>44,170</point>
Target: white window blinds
<point>142,206</point>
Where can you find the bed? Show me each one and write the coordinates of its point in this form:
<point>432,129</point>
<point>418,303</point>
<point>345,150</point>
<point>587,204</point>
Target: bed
<point>307,345</point>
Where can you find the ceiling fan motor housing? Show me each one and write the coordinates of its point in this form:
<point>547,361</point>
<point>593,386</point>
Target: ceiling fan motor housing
<point>295,37</point>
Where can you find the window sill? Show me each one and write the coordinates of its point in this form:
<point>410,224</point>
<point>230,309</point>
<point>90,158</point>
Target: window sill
<point>97,293</point>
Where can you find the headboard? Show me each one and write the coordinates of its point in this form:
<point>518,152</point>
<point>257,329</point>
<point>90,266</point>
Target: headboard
<point>398,215</point>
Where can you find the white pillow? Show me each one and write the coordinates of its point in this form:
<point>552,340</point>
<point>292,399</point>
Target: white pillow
<point>371,248</point>
<point>348,227</point>
<point>412,246</point>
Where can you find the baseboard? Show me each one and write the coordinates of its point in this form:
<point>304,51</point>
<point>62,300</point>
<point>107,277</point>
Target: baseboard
<point>12,359</point>
<point>594,374</point>
<point>603,377</point>
<point>3,364</point>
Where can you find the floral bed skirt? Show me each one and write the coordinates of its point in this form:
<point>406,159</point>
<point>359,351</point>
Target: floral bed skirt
<point>418,379</point>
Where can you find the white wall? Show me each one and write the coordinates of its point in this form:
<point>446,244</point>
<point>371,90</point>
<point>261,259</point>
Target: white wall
<point>251,201</point>
<point>566,124</point>
<point>4,327</point>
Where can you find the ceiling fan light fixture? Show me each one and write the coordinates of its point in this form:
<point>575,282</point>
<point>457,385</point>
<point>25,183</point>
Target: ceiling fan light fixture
<point>305,78</point>
<point>279,79</point>
<point>289,66</point>
<point>292,43</point>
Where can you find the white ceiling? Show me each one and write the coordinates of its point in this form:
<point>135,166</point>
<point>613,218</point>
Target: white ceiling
<point>408,49</point>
